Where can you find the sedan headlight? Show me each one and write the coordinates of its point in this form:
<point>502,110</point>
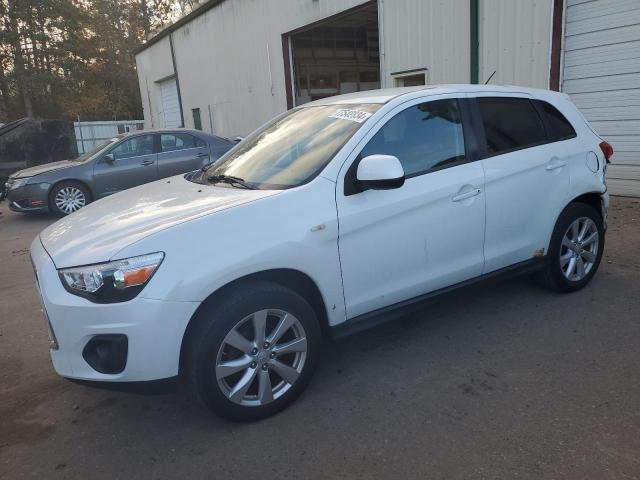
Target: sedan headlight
<point>14,183</point>
<point>111,282</point>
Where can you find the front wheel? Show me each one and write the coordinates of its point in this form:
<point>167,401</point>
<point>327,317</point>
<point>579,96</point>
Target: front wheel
<point>254,352</point>
<point>575,249</point>
<point>68,197</point>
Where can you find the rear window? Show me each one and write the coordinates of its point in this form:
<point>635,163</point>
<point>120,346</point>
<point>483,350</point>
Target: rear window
<point>510,124</point>
<point>559,127</point>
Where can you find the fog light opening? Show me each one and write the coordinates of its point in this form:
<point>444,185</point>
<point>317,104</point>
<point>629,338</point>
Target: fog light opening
<point>107,353</point>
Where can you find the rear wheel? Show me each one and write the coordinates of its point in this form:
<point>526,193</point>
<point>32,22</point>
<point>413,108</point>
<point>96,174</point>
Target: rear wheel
<point>68,197</point>
<point>254,352</point>
<point>575,249</point>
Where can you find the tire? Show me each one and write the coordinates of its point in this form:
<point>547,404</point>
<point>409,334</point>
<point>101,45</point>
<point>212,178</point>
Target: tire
<point>209,354</point>
<point>68,197</point>
<point>570,248</point>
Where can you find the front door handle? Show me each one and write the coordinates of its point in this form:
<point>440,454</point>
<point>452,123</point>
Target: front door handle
<point>146,163</point>
<point>202,155</point>
<point>555,163</point>
<point>463,196</point>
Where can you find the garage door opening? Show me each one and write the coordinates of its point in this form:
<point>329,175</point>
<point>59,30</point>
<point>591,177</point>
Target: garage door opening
<point>340,54</point>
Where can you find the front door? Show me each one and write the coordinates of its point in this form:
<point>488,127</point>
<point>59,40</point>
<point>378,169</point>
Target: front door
<point>134,163</point>
<point>428,234</point>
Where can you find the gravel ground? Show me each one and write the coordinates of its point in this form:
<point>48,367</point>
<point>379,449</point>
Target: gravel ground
<point>502,380</point>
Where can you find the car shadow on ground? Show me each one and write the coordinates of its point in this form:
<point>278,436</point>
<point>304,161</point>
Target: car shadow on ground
<point>400,354</point>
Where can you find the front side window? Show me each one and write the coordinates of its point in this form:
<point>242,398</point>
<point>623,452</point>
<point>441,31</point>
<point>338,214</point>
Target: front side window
<point>134,147</point>
<point>424,137</point>
<point>294,148</point>
<point>510,124</point>
<point>170,142</point>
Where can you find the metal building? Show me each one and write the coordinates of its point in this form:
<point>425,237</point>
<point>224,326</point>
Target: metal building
<point>601,73</point>
<point>231,65</point>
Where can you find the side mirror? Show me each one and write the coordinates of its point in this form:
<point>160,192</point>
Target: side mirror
<point>380,172</point>
<point>109,158</point>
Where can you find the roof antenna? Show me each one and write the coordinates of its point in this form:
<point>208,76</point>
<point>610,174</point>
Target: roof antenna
<point>489,79</point>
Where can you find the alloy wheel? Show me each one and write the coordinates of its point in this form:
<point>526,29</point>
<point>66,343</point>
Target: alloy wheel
<point>579,249</point>
<point>70,199</point>
<point>261,357</point>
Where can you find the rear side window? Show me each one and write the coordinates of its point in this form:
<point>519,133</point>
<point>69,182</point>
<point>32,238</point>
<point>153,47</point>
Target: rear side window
<point>424,137</point>
<point>558,126</point>
<point>171,142</point>
<point>510,124</point>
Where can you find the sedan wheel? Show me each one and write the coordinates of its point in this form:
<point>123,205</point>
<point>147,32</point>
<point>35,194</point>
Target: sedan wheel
<point>68,197</point>
<point>261,358</point>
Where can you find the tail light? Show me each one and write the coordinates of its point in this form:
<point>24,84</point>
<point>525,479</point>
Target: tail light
<point>607,149</point>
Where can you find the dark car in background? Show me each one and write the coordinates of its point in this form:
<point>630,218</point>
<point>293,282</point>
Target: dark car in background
<point>120,163</point>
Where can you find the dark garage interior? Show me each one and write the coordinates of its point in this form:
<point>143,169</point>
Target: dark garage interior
<point>338,55</point>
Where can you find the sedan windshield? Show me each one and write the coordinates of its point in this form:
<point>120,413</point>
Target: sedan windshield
<point>292,149</point>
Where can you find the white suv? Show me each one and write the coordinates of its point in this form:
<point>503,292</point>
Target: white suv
<point>332,217</point>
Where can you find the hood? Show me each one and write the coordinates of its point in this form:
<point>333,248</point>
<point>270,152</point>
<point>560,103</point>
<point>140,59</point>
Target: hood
<point>47,167</point>
<point>100,230</point>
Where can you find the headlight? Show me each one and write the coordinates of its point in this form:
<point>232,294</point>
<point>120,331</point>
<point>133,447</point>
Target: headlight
<point>111,282</point>
<point>14,183</point>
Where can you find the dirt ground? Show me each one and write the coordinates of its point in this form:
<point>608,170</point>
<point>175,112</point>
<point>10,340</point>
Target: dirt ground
<point>501,380</point>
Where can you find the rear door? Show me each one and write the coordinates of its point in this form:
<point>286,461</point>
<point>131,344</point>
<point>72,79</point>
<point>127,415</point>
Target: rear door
<point>135,163</point>
<point>526,179</point>
<point>181,153</point>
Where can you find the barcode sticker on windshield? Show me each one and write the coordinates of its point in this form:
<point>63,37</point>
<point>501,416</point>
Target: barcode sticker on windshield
<point>354,115</point>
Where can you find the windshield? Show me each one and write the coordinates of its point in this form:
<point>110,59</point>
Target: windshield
<point>96,149</point>
<point>292,149</point>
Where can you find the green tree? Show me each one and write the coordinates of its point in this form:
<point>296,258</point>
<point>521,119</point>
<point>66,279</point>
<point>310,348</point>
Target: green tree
<point>69,58</point>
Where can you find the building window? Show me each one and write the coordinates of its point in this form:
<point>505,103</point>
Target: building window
<point>410,78</point>
<point>197,121</point>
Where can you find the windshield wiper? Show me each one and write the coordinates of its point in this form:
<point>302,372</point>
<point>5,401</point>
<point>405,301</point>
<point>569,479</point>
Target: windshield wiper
<point>231,180</point>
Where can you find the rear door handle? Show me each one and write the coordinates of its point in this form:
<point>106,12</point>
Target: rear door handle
<point>463,196</point>
<point>146,163</point>
<point>555,163</point>
<point>202,155</point>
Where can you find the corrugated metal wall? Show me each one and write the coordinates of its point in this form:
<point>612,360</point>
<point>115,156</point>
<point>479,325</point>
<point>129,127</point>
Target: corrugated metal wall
<point>515,42</point>
<point>230,59</point>
<point>602,76</point>
<point>429,34</point>
<point>91,134</point>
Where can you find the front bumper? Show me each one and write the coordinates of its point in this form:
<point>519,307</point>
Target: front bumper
<point>154,329</point>
<point>30,198</point>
